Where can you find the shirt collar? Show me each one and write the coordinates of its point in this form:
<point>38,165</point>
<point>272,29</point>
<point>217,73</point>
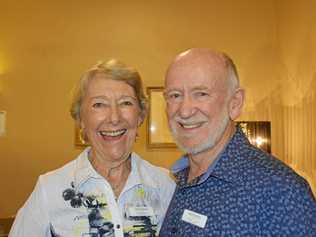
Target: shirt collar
<point>181,170</point>
<point>134,177</point>
<point>84,171</point>
<point>140,173</point>
<point>225,166</point>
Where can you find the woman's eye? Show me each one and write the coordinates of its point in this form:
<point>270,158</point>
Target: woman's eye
<point>126,103</point>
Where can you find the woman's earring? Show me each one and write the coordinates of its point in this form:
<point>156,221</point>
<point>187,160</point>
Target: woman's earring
<point>136,137</point>
<point>82,136</point>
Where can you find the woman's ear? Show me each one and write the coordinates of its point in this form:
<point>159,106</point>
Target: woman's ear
<point>141,118</point>
<point>142,115</point>
<point>81,124</point>
<point>236,104</point>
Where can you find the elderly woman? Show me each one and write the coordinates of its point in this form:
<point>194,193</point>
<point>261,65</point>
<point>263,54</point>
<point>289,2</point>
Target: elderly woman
<point>108,190</point>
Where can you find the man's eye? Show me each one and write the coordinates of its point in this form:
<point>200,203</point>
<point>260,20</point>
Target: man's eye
<point>97,105</point>
<point>201,93</point>
<point>173,96</point>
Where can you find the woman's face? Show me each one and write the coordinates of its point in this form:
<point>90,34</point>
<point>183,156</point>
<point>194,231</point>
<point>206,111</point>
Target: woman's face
<point>110,115</point>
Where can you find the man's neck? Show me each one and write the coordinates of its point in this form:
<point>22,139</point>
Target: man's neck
<point>199,163</point>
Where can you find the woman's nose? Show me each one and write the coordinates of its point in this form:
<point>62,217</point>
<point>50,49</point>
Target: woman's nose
<point>115,115</point>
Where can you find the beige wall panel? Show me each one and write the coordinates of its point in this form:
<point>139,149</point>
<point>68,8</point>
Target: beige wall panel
<point>46,46</point>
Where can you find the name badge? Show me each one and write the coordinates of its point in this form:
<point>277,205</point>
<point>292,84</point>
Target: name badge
<point>194,218</point>
<point>140,211</point>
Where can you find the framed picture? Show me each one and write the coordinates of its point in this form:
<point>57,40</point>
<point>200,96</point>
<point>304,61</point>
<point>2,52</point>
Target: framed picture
<point>158,134</point>
<point>258,133</point>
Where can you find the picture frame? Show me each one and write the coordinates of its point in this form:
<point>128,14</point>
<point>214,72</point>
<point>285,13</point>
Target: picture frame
<point>258,133</point>
<point>158,133</point>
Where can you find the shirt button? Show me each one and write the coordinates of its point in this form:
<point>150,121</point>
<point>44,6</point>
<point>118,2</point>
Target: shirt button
<point>118,226</point>
<point>174,230</point>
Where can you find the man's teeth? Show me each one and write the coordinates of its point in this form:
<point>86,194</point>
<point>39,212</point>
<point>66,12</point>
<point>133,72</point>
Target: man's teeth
<point>113,133</point>
<point>191,125</point>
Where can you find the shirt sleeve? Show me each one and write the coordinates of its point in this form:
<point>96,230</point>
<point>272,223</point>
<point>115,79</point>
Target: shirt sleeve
<point>32,219</point>
<point>289,211</point>
<point>166,193</point>
<point>300,219</point>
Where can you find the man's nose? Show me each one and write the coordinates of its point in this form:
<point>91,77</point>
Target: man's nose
<point>187,107</point>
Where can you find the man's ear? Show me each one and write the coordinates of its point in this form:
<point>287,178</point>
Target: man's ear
<point>236,104</point>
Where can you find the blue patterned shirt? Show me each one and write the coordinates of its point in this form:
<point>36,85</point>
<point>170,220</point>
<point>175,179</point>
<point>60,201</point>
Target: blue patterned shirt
<point>245,192</point>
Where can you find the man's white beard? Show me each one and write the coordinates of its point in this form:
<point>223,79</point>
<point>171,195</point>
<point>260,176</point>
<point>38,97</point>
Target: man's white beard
<point>209,143</point>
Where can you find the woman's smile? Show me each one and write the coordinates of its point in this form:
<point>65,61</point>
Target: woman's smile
<point>112,134</point>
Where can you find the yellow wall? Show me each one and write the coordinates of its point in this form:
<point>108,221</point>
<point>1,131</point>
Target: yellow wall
<point>45,46</point>
<point>297,43</point>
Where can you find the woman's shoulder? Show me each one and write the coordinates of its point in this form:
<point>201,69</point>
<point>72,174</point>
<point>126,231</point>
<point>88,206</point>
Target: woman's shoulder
<point>63,174</point>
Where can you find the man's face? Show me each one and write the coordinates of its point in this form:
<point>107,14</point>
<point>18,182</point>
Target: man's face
<point>197,107</point>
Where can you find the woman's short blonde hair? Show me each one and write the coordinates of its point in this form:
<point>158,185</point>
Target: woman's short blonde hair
<point>114,70</point>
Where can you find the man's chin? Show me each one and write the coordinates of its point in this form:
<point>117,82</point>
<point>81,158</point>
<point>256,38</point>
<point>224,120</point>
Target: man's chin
<point>193,149</point>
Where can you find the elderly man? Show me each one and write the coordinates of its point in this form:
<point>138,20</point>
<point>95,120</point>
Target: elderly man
<point>226,186</point>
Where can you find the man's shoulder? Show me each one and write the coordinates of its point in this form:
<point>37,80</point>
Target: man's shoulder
<point>269,172</point>
<point>250,165</point>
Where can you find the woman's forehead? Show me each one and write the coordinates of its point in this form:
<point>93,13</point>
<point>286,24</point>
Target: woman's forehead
<point>105,85</point>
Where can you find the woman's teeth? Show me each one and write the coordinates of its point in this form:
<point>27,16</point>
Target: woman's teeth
<point>113,133</point>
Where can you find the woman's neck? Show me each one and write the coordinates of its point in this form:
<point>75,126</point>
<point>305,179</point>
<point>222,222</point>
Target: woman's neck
<point>116,173</point>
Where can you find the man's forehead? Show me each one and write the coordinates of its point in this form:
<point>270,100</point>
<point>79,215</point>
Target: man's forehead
<point>201,56</point>
<point>196,63</point>
<point>195,74</point>
<point>193,83</point>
